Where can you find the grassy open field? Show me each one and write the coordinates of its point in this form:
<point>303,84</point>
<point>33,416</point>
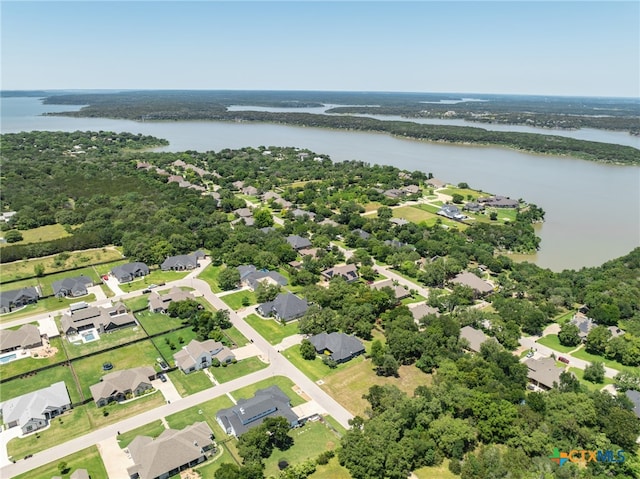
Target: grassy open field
<point>42,233</point>
<point>154,323</point>
<point>35,381</point>
<point>187,384</point>
<point>465,192</point>
<point>425,213</point>
<point>178,339</point>
<point>282,382</point>
<point>156,276</point>
<point>210,275</point>
<point>552,341</point>
<point>373,206</point>
<point>234,300</point>
<point>348,385</point>
<point>316,369</point>
<point>107,340</point>
<point>25,269</point>
<point>239,369</point>
<point>153,429</point>
<point>308,442</point>
<point>271,330</point>
<point>332,470</point>
<point>88,459</point>
<point>205,411</point>
<point>435,472</point>
<point>89,370</point>
<point>27,364</point>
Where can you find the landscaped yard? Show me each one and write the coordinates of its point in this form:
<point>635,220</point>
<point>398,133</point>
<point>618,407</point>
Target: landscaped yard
<point>372,206</point>
<point>432,219</point>
<point>271,330</point>
<point>210,275</point>
<point>205,411</point>
<point>239,369</point>
<point>282,382</point>
<point>153,429</point>
<point>187,384</point>
<point>348,385</point>
<point>46,282</point>
<point>416,298</point>
<point>465,192</point>
<point>138,303</point>
<point>235,300</point>
<point>235,336</point>
<point>107,340</point>
<point>177,339</point>
<point>118,412</point>
<point>43,379</point>
<point>315,369</point>
<point>156,276</point>
<point>332,470</point>
<point>308,442</point>
<point>89,370</point>
<point>88,459</point>
<point>25,365</point>
<point>105,269</point>
<point>552,341</point>
<point>154,323</point>
<point>579,373</point>
<point>435,472</point>
<point>582,354</point>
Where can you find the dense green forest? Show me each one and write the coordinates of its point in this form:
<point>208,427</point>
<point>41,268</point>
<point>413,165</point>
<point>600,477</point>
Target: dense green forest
<point>191,105</point>
<point>476,410</point>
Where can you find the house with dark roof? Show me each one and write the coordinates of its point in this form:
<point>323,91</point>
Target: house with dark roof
<point>26,337</point>
<point>251,277</point>
<point>362,234</point>
<point>249,413</point>
<point>400,292</point>
<point>543,373</point>
<point>475,337</point>
<point>182,262</point>
<point>298,213</point>
<point>121,385</point>
<point>171,452</point>
<point>634,397</point>
<point>399,221</point>
<point>498,202</point>
<point>479,286</point>
<point>103,319</point>
<point>286,307</point>
<point>452,212</point>
<point>411,189</point>
<point>34,410</point>
<point>130,271</point>
<point>199,355</point>
<point>160,303</point>
<point>298,242</point>
<point>473,207</point>
<point>394,193</point>
<point>339,346</point>
<point>348,272</point>
<point>73,287</point>
<point>584,325</point>
<point>17,298</point>
<point>420,310</point>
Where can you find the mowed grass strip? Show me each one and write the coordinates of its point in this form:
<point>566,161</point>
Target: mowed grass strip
<point>210,274</point>
<point>270,329</point>
<point>107,340</point>
<point>25,269</point>
<point>235,300</point>
<point>88,459</point>
<point>46,282</point>
<point>153,429</point>
<point>235,336</point>
<point>205,411</point>
<point>552,341</point>
<point>156,276</point>
<point>282,382</point>
<point>243,367</point>
<point>89,370</point>
<point>188,384</point>
<point>350,384</point>
<point>35,381</point>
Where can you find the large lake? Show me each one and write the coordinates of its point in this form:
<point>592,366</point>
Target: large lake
<point>593,210</point>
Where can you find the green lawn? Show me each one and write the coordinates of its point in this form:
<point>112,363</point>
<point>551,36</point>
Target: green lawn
<point>308,442</point>
<point>282,382</point>
<point>564,317</point>
<point>25,269</point>
<point>239,369</point>
<point>46,282</point>
<point>579,373</point>
<point>185,334</point>
<point>153,429</point>
<point>315,369</point>
<point>43,379</point>
<point>465,192</point>
<point>118,412</point>
<point>416,298</point>
<point>107,340</point>
<point>88,459</point>
<point>22,283</point>
<point>89,370</point>
<point>25,365</point>
<point>552,341</point>
<point>104,269</point>
<point>235,336</point>
<point>234,300</point>
<point>582,354</point>
<point>138,303</point>
<point>436,472</point>
<point>191,383</point>
<point>44,305</point>
<point>156,276</point>
<point>210,275</point>
<point>43,233</point>
<point>271,330</point>
<point>155,323</point>
<point>332,470</point>
<point>434,217</point>
<point>208,411</point>
<point>211,465</point>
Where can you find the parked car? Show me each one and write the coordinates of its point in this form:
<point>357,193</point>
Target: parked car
<point>151,286</point>
<point>162,378</point>
<point>146,291</point>
<point>530,354</point>
<point>562,359</point>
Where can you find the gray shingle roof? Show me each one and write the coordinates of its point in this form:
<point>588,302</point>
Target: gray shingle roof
<point>126,272</point>
<point>286,306</point>
<point>298,242</point>
<point>634,397</point>
<point>469,279</point>
<point>342,346</point>
<point>18,297</point>
<point>76,286</point>
<point>121,381</point>
<point>182,261</point>
<point>474,336</point>
<point>544,371</point>
<point>349,272</point>
<point>251,275</point>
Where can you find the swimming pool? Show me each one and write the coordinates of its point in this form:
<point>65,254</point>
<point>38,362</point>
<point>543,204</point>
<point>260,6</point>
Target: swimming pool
<point>89,337</point>
<point>7,358</point>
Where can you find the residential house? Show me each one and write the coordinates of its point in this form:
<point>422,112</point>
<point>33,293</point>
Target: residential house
<point>298,213</point>
<point>249,413</point>
<point>128,272</point>
<point>243,212</point>
<point>199,355</point>
<point>543,373</point>
<point>338,346</point>
<point>420,310</point>
<point>34,410</point>
<point>399,221</point>
<point>160,303</point>
<point>452,212</point>
<point>298,242</point>
<point>328,222</point>
<point>362,234</point>
<point>182,262</point>
<point>251,276</point>
<point>16,298</point>
<point>394,193</point>
<point>479,286</point>
<point>474,337</point>
<point>584,325</point>
<point>286,307</point>
<point>313,252</point>
<point>103,319</point>
<point>26,337</point>
<point>121,385</point>
<point>74,287</point>
<point>615,331</point>
<point>7,215</point>
<point>499,202</point>
<point>411,189</point>
<point>171,452</point>
<point>634,397</point>
<point>348,272</point>
<point>238,185</point>
<point>80,474</point>
<point>400,292</point>
<point>473,207</point>
<point>270,195</point>
<point>436,183</point>
<point>282,203</point>
<point>250,191</point>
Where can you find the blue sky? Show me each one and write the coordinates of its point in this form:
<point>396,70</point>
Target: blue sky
<point>547,48</point>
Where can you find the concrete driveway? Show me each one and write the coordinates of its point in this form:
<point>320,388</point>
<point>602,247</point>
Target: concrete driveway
<point>248,351</point>
<point>115,459</point>
<point>113,285</point>
<point>5,436</point>
<point>167,389</point>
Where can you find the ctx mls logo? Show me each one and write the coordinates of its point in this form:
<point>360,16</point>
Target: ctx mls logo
<point>581,455</point>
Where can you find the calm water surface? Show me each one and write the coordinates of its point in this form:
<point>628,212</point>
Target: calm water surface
<point>593,210</point>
